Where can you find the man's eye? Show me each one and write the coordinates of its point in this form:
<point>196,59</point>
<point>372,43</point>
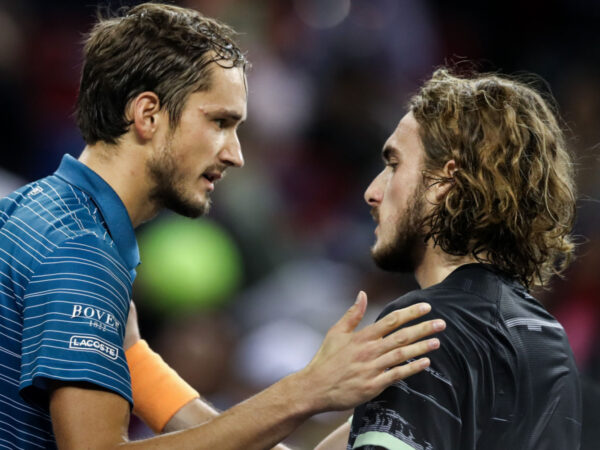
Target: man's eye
<point>221,123</point>
<point>393,165</point>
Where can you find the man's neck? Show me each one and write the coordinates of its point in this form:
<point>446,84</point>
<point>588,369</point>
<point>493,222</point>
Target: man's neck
<point>124,169</point>
<point>436,265</point>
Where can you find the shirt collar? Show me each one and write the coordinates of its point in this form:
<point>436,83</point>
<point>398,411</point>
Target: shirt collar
<point>108,202</point>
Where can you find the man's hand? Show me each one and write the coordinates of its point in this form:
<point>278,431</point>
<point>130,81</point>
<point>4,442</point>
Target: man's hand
<point>353,367</point>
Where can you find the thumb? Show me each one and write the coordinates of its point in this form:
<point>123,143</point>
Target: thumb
<point>354,315</point>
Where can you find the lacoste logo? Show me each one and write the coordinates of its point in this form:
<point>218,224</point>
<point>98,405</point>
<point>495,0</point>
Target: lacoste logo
<point>94,344</point>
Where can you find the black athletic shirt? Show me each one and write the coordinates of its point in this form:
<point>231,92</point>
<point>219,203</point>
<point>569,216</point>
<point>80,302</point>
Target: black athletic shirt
<point>504,377</point>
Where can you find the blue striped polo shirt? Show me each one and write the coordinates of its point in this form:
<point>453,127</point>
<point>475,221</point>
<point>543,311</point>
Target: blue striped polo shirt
<point>67,263</point>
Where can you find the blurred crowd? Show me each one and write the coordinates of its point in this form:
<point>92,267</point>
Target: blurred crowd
<point>286,247</point>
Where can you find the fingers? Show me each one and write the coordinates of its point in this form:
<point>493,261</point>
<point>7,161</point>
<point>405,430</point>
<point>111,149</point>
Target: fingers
<point>353,316</point>
<point>401,372</point>
<point>411,334</point>
<point>401,354</point>
<point>361,304</point>
<point>395,319</point>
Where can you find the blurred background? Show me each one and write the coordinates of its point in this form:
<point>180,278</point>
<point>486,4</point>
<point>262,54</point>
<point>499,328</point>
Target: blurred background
<point>238,300</point>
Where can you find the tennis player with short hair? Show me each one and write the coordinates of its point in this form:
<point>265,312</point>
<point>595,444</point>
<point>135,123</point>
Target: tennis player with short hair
<point>163,91</point>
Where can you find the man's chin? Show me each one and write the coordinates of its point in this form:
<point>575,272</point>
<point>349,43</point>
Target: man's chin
<point>192,210</point>
<point>398,258</point>
<point>393,262</point>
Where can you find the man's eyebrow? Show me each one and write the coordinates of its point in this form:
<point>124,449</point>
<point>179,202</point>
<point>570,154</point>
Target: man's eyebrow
<point>233,115</point>
<point>228,113</point>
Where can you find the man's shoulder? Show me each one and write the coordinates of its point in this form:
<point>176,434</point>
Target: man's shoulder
<point>50,205</point>
<point>445,301</point>
<point>470,286</point>
<point>49,213</point>
<point>410,298</point>
<point>87,249</point>
<point>469,300</point>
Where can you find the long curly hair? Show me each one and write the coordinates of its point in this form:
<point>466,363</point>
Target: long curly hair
<point>512,202</point>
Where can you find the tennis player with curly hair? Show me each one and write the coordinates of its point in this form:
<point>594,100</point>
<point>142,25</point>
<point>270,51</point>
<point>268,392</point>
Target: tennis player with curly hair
<point>477,199</point>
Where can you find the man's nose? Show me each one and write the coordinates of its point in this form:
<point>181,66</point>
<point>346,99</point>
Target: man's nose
<point>374,193</point>
<point>232,152</point>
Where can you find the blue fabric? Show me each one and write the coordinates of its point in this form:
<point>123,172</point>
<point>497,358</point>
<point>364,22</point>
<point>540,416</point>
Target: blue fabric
<point>116,218</point>
<point>67,263</point>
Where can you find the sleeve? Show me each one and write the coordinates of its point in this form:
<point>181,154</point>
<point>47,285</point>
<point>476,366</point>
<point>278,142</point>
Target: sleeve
<point>421,412</point>
<point>75,310</point>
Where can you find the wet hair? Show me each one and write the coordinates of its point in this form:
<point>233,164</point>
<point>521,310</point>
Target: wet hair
<point>512,200</point>
<point>152,47</point>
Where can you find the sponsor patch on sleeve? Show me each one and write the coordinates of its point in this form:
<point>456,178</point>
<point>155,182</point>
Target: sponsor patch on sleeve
<point>96,317</point>
<point>87,343</point>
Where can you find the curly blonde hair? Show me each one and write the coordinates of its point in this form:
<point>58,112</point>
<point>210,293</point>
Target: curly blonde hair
<point>512,203</point>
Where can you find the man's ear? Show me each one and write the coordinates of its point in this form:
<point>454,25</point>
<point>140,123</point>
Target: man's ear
<point>144,114</point>
<point>446,180</point>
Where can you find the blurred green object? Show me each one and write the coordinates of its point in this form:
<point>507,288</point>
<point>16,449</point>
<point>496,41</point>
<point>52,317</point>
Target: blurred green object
<point>187,265</point>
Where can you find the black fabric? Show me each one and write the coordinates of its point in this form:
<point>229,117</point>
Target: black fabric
<point>504,377</point>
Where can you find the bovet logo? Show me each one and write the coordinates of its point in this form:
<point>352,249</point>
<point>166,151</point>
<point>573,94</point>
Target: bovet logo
<point>88,343</point>
<point>102,318</point>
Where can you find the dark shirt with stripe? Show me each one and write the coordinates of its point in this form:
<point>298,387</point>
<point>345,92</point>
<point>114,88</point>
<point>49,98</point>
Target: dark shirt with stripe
<point>67,262</point>
<point>503,378</point>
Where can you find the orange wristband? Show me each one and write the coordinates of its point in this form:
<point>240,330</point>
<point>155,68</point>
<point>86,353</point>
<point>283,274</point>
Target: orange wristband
<point>158,391</point>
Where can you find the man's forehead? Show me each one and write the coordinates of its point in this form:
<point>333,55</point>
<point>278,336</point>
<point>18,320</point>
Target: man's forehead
<point>405,136</point>
<point>228,76</point>
<point>407,129</point>
<point>227,91</point>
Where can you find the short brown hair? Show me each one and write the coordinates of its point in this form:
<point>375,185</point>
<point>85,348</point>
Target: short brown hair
<point>512,202</point>
<point>152,47</point>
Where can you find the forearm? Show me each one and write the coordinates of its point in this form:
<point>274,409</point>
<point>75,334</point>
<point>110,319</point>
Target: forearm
<point>196,412</point>
<point>257,423</point>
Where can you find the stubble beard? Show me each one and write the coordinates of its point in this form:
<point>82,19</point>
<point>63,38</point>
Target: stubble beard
<point>169,192</point>
<point>404,252</point>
